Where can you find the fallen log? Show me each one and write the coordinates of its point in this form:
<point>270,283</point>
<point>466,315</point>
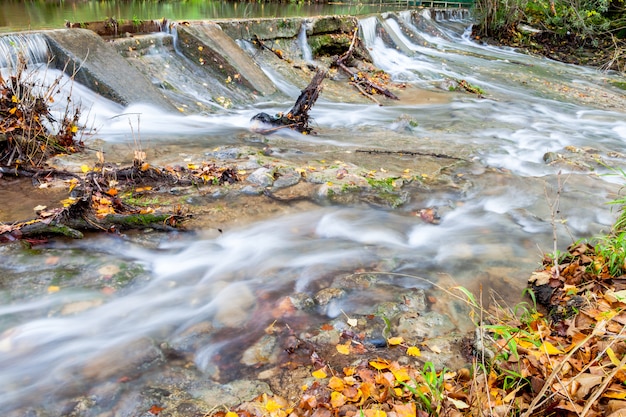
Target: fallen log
<point>298,117</point>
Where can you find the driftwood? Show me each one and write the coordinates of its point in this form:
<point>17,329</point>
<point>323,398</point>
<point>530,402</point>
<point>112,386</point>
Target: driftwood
<point>298,117</point>
<point>360,80</point>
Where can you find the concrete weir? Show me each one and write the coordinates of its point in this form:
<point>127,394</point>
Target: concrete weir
<point>103,65</point>
<point>211,64</point>
<point>206,44</point>
<point>93,63</point>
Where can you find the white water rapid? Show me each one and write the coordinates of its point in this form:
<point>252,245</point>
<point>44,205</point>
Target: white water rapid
<point>201,295</point>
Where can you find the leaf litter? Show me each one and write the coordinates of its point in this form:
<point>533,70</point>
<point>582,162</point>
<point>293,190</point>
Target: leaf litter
<point>563,357</point>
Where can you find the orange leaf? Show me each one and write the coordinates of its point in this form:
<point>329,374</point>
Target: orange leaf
<point>337,399</point>
<point>155,409</point>
<point>336,383</point>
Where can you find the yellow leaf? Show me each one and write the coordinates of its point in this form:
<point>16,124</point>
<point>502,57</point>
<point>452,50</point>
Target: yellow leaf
<point>68,202</point>
<point>85,168</point>
<point>618,395</point>
<point>53,288</point>
<point>14,99</point>
<point>231,414</point>
<point>380,364</point>
<point>144,167</point>
<point>12,110</point>
<point>343,349</point>
<point>200,48</point>
<point>320,374</point>
<point>393,341</point>
<point>192,166</point>
<point>374,413</point>
<point>401,374</point>
<point>74,129</point>
<point>550,349</point>
<point>525,344</point>
<point>73,183</point>
<point>272,405</point>
<point>611,354</point>
<point>413,351</point>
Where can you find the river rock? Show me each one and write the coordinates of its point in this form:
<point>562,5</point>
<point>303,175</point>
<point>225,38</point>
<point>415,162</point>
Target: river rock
<point>224,154</point>
<point>326,295</point>
<point>231,394</point>
<point>261,353</point>
<point>262,177</point>
<point>286,178</point>
<point>233,305</point>
<point>302,301</point>
<point>414,327</point>
<point>123,360</point>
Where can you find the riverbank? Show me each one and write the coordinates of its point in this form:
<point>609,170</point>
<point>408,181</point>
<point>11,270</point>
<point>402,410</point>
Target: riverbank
<point>604,52</point>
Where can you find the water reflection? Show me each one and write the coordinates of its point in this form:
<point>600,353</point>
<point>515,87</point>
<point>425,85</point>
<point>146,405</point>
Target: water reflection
<point>42,14</point>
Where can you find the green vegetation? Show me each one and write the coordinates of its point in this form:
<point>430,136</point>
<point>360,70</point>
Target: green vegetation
<point>599,24</point>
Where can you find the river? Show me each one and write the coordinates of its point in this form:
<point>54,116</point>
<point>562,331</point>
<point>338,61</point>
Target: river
<point>191,303</point>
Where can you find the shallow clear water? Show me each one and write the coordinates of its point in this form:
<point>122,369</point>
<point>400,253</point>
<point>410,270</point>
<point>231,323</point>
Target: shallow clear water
<point>493,231</point>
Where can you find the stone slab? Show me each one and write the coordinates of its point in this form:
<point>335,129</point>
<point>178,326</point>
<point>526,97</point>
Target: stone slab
<point>98,66</point>
<point>206,44</point>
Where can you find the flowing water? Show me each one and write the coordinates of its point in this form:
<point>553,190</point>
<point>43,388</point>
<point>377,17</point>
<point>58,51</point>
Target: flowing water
<point>77,317</point>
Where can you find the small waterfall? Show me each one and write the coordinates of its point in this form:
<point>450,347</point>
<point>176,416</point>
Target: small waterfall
<point>307,54</point>
<point>32,46</point>
<point>406,16</point>
<point>368,30</point>
<point>452,14</point>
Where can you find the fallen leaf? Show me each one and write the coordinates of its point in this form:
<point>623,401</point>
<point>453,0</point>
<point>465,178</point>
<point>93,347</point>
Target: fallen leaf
<point>53,289</point>
<point>337,399</point>
<point>413,351</point>
<point>393,341</point>
<point>344,349</point>
<point>379,364</point>
<point>461,405</point>
<point>404,410</point>
<point>155,409</point>
<point>550,349</point>
<point>319,374</point>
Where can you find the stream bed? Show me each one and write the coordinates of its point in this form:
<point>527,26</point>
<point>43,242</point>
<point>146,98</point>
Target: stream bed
<point>112,325</point>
